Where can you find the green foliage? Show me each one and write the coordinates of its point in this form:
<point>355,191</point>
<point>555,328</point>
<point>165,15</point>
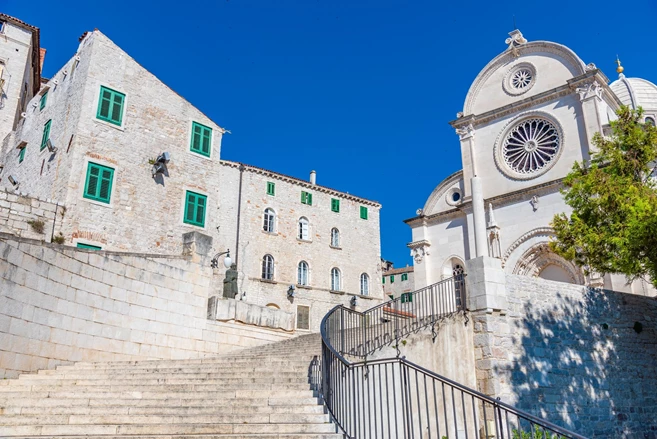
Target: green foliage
<point>613,226</point>
<point>37,225</point>
<point>539,433</point>
<point>59,239</point>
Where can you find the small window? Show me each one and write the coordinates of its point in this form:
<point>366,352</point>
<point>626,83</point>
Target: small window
<point>268,267</point>
<point>363,212</point>
<point>303,317</point>
<point>270,219</point>
<point>271,188</point>
<point>335,237</point>
<point>650,121</point>
<point>335,205</point>
<point>302,273</point>
<point>456,196</point>
<point>364,284</point>
<point>88,246</point>
<point>336,280</point>
<point>21,154</point>
<point>195,207</point>
<point>46,134</point>
<point>98,184</point>
<point>201,139</point>
<point>306,198</point>
<point>110,106</point>
<point>407,298</point>
<point>404,277</point>
<point>383,280</point>
<point>304,233</point>
<point>43,100</point>
<point>392,278</point>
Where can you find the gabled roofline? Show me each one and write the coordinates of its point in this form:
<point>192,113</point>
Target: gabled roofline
<point>36,49</point>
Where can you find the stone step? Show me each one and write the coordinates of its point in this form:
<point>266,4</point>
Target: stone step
<point>158,395</point>
<point>152,380</point>
<point>242,418</point>
<point>55,374</point>
<point>295,359</point>
<point>200,369</point>
<point>178,410</point>
<point>161,429</point>
<point>211,436</point>
<point>146,402</point>
<point>147,388</point>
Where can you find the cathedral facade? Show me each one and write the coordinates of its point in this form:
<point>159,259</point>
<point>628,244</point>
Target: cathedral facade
<point>528,116</point>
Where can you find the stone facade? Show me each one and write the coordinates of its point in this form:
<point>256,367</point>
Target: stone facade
<point>20,215</point>
<point>397,281</point>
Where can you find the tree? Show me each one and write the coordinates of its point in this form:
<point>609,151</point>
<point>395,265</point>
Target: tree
<point>613,225</point>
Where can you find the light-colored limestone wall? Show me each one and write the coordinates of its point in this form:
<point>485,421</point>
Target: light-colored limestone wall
<point>60,304</point>
<point>399,286</point>
<point>582,358</point>
<point>17,210</point>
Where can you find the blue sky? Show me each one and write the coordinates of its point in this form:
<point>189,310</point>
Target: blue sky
<point>359,90</point>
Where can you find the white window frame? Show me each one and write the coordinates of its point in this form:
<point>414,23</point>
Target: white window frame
<point>303,273</point>
<point>364,284</point>
<point>335,237</point>
<point>268,267</point>
<point>269,220</point>
<point>304,229</point>
<point>336,279</point>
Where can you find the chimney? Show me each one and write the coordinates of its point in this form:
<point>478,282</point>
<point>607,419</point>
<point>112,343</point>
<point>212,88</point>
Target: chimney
<point>313,177</point>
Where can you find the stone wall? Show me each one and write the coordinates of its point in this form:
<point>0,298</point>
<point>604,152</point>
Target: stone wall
<point>17,210</point>
<point>60,304</point>
<point>582,358</point>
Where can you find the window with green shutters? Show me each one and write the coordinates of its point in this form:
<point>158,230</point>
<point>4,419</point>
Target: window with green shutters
<point>335,205</point>
<point>201,139</point>
<point>363,212</point>
<point>98,185</point>
<point>43,100</point>
<point>21,154</point>
<point>195,206</point>
<point>88,246</point>
<point>46,134</point>
<point>407,298</point>
<point>306,198</point>
<point>110,106</point>
<point>392,279</point>
<point>271,188</point>
<point>383,279</point>
<point>404,276</point>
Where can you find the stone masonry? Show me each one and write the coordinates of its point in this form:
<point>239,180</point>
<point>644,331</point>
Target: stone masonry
<point>18,211</point>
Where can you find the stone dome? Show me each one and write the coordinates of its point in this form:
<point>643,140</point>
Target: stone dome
<point>635,92</point>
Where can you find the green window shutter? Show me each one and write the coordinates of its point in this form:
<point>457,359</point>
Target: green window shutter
<point>306,198</point>
<point>404,276</point>
<point>88,246</point>
<point>384,280</point>
<point>42,101</point>
<point>310,199</point>
<point>271,188</point>
<point>363,212</point>
<point>46,134</point>
<point>392,296</point>
<point>195,207</point>
<point>392,279</point>
<point>110,106</point>
<point>98,184</point>
<point>201,139</point>
<point>21,154</point>
<point>335,205</point>
<point>406,297</point>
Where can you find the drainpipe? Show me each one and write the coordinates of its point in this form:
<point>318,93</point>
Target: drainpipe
<point>239,211</point>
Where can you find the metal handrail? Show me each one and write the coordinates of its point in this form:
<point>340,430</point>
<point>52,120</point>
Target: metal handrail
<point>396,398</point>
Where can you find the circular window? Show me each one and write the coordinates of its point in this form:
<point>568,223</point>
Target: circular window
<point>519,79</point>
<point>453,196</point>
<point>529,147</point>
<point>456,197</point>
<point>650,121</point>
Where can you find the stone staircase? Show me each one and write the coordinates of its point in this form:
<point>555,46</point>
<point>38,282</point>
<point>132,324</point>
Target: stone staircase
<point>255,393</point>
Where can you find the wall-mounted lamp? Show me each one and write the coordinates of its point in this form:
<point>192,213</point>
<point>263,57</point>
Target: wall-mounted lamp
<point>214,263</point>
<point>52,148</point>
<point>13,180</point>
<point>160,163</point>
<point>290,291</point>
<point>354,301</point>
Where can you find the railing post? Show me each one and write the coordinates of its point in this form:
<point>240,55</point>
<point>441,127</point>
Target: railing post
<point>342,331</point>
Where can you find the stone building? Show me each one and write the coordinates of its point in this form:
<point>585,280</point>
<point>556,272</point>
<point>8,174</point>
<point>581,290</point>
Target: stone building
<point>132,166</point>
<point>398,281</point>
<point>528,116</point>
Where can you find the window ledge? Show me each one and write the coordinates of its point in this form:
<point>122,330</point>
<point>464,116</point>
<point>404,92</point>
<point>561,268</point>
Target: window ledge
<point>304,240</point>
<point>360,296</point>
<point>268,281</point>
<point>110,124</point>
<point>335,248</point>
<point>342,293</point>
<point>270,233</point>
<point>304,287</point>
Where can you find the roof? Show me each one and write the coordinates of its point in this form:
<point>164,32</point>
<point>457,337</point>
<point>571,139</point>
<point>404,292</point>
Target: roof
<point>399,270</point>
<point>305,183</point>
<point>36,48</point>
<point>635,92</point>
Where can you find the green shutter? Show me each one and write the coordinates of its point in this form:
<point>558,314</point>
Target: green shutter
<point>195,207</point>
<point>88,246</point>
<point>384,279</point>
<point>98,184</point>
<point>306,198</point>
<point>404,276</point>
<point>392,279</point>
<point>407,297</point>
<point>110,106</point>
<point>42,101</point>
<point>310,199</point>
<point>201,139</point>
<point>335,205</point>
<point>21,154</point>
<point>363,212</point>
<point>271,188</point>
<point>46,134</point>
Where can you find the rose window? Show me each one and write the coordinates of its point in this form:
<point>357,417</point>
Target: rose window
<point>521,79</point>
<point>530,146</point>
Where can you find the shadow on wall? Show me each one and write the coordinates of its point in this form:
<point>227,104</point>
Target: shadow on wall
<point>587,361</point>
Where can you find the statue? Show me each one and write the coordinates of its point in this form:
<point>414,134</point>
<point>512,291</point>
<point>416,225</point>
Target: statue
<point>230,282</point>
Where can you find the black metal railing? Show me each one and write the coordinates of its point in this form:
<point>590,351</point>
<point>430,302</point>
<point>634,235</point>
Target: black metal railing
<point>395,398</point>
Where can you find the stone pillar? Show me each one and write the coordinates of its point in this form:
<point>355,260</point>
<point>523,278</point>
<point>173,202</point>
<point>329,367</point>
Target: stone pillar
<point>198,246</point>
<point>590,95</point>
<point>479,217</point>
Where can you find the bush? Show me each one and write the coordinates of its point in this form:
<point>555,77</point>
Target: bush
<point>59,239</point>
<point>37,225</point>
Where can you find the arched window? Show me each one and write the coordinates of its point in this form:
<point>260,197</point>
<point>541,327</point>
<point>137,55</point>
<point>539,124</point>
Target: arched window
<point>336,280</point>
<point>268,267</point>
<point>335,237</point>
<point>457,269</point>
<point>364,284</point>
<point>650,121</point>
<point>303,229</point>
<point>270,220</point>
<point>457,272</point>
<point>302,273</point>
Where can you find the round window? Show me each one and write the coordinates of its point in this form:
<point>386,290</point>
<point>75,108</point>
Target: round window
<point>519,79</point>
<point>456,196</point>
<point>650,121</point>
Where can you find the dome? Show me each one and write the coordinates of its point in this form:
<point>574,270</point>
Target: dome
<point>635,92</point>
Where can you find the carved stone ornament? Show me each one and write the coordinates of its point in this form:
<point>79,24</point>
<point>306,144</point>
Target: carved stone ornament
<point>590,90</point>
<point>515,39</point>
<point>419,249</point>
<point>590,67</point>
<point>466,132</point>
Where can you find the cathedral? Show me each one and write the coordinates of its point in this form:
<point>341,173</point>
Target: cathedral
<point>528,116</point>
